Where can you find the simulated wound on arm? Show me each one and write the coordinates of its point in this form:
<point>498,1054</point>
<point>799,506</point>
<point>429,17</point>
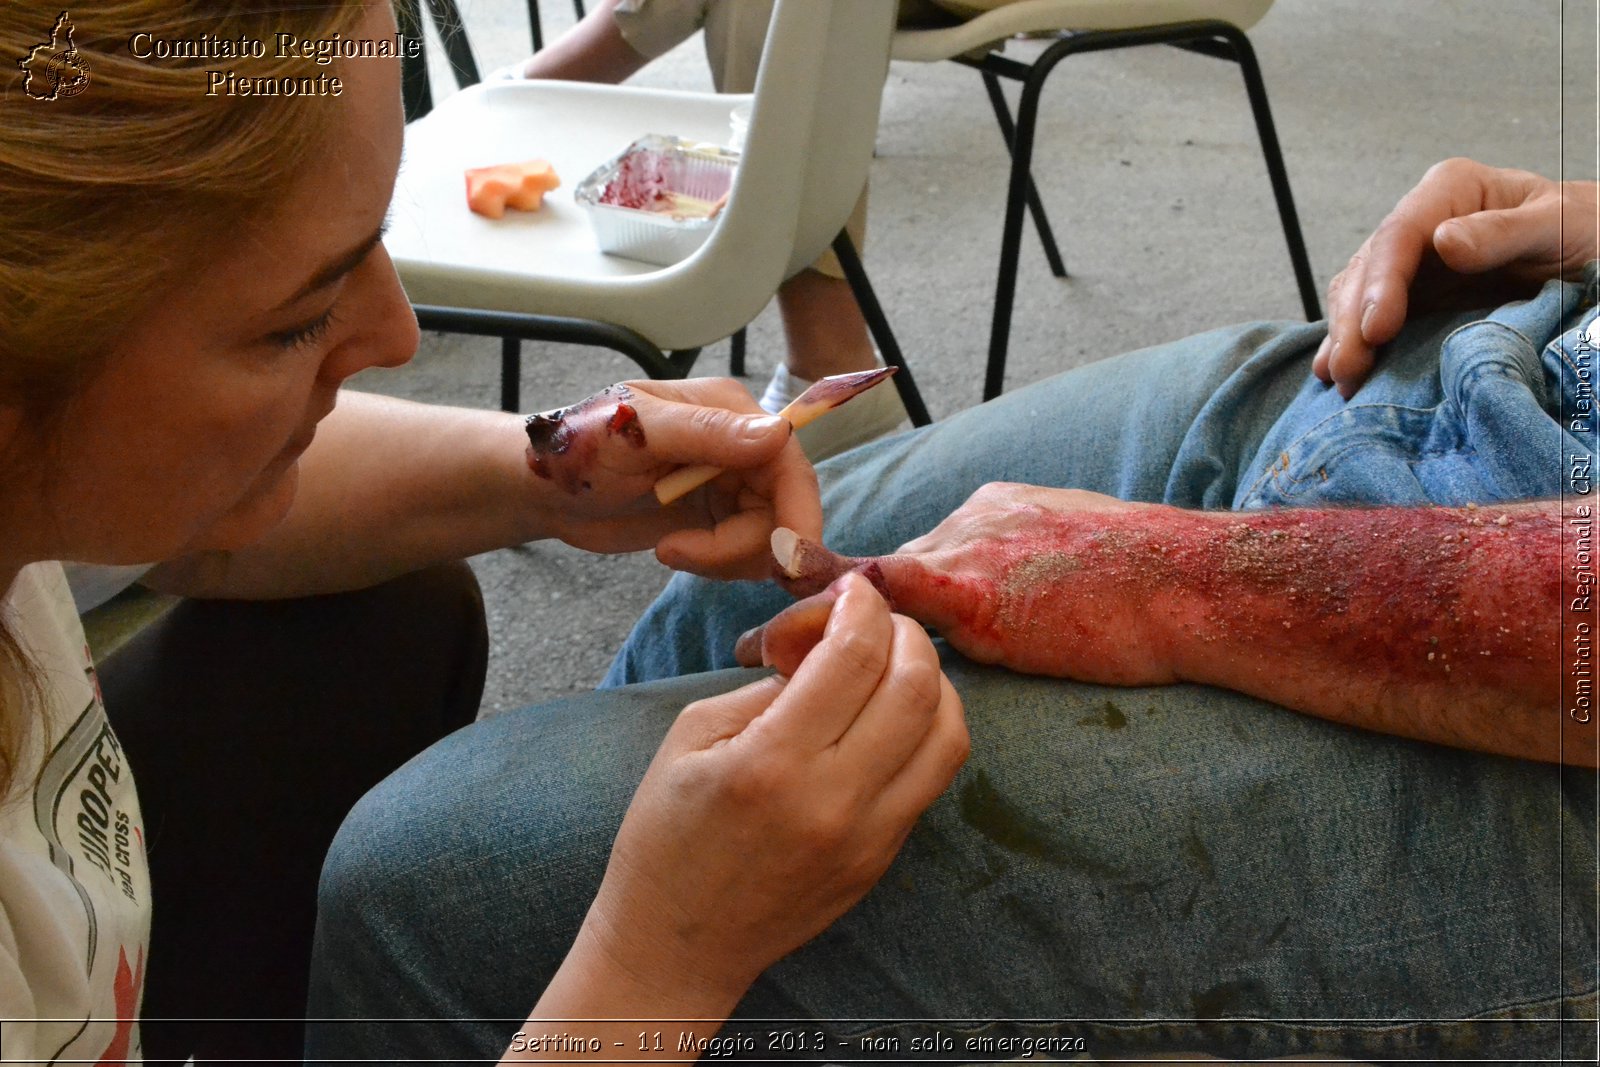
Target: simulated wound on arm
<point>1441,624</point>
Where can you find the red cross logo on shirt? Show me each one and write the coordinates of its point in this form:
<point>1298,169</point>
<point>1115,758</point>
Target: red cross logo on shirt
<point>127,989</point>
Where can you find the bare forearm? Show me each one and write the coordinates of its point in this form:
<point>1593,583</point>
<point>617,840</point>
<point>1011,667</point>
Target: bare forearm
<point>598,996</point>
<point>1438,624</point>
<point>388,486</point>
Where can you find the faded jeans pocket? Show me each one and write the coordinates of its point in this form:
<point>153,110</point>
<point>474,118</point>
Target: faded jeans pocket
<point>1476,428</point>
<point>1374,453</point>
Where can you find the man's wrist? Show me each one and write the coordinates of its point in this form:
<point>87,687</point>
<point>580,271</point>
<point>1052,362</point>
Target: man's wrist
<point>1180,614</point>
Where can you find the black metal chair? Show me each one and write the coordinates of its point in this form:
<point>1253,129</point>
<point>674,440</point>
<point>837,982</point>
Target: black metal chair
<point>1094,26</point>
<point>447,23</point>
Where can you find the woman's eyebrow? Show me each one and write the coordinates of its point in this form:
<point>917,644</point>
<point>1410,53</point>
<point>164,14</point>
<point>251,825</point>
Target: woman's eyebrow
<point>338,268</point>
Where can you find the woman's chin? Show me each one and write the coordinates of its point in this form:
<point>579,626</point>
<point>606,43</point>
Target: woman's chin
<point>252,518</point>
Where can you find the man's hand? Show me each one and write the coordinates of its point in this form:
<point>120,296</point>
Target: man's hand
<point>1045,581</point>
<point>1468,234</point>
<point>603,456</point>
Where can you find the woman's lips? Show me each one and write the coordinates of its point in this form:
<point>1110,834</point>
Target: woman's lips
<point>297,445</point>
<point>301,441</point>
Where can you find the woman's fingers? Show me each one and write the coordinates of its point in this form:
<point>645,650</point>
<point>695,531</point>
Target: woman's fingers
<point>707,722</point>
<point>771,481</point>
<point>900,709</point>
<point>734,547</point>
<point>834,683</point>
<point>708,421</point>
<point>932,766</point>
<point>725,530</point>
<point>796,500</point>
<point>608,450</point>
<point>618,441</point>
<point>900,713</point>
<point>792,797</point>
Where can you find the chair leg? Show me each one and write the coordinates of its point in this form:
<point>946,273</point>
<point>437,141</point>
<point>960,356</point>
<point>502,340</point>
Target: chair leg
<point>510,374</point>
<point>1041,223</point>
<point>1017,195</point>
<point>878,326</point>
<point>415,89</point>
<point>736,354</point>
<point>535,29</point>
<point>1245,56</point>
<point>453,36</point>
<point>1208,37</point>
<point>679,360</point>
<point>510,326</point>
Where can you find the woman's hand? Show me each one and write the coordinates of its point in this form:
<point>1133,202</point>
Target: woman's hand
<point>1468,234</point>
<point>769,811</point>
<point>605,454</point>
<point>1047,581</point>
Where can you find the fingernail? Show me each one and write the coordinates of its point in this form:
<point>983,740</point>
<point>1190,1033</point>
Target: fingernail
<point>1366,318</point>
<point>766,424</point>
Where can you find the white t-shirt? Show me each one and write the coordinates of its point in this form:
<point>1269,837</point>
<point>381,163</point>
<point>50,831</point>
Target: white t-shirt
<point>74,885</point>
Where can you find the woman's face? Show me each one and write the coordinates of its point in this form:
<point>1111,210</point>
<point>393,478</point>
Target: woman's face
<point>190,437</point>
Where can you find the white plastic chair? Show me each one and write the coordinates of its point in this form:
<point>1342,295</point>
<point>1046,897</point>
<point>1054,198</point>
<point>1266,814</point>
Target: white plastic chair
<point>540,275</point>
<point>1210,27</point>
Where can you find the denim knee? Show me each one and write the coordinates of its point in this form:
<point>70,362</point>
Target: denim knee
<point>455,888</point>
<point>418,885</point>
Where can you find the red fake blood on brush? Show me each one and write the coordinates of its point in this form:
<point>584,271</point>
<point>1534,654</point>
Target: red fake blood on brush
<point>563,445</point>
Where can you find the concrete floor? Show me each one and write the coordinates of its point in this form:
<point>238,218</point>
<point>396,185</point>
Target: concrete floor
<point>1148,162</point>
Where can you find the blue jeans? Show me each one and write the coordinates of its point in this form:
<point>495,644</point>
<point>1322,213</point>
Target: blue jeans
<point>1176,868</point>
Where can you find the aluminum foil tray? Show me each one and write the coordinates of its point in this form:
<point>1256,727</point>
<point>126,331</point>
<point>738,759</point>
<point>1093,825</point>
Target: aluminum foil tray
<point>650,203</point>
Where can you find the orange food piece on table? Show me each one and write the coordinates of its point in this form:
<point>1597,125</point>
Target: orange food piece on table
<point>490,190</point>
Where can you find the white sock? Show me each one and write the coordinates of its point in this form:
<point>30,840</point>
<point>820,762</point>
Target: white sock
<point>782,390</point>
<point>872,414</point>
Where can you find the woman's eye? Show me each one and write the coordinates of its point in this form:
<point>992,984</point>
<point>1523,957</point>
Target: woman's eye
<point>303,336</point>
